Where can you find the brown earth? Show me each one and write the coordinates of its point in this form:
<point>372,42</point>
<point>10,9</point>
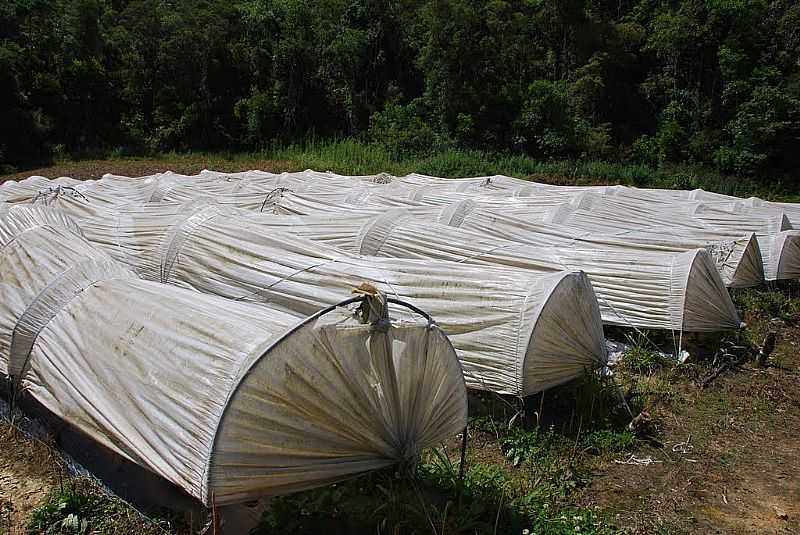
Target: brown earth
<point>28,472</point>
<point>188,164</point>
<point>741,472</point>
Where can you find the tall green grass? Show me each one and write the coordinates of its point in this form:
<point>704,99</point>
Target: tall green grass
<point>354,157</point>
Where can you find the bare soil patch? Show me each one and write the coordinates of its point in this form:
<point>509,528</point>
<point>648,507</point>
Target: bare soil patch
<point>184,164</point>
<point>28,473</point>
<point>739,473</point>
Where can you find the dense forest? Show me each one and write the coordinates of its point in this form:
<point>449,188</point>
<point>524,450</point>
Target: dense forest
<point>710,82</point>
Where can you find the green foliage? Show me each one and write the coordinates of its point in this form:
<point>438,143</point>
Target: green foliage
<point>520,446</point>
<point>349,156</point>
<point>656,84</point>
<point>763,133</point>
<point>642,357</point>
<point>767,304</point>
<point>402,130</point>
<point>605,440</point>
<point>431,501</point>
<point>67,512</point>
<point>546,127</point>
<point>80,507</point>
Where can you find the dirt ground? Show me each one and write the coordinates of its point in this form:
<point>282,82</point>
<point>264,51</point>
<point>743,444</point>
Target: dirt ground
<point>739,472</point>
<point>28,472</point>
<point>189,164</point>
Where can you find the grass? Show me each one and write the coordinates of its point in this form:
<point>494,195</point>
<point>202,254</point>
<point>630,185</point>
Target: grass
<point>354,157</point>
<point>496,496</point>
<point>765,303</point>
<point>80,506</point>
<point>357,158</point>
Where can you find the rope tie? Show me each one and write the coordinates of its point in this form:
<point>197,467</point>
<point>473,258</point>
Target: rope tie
<point>493,249</point>
<point>275,193</point>
<point>374,308</point>
<point>637,461</point>
<point>54,192</point>
<point>684,447</point>
<point>286,278</point>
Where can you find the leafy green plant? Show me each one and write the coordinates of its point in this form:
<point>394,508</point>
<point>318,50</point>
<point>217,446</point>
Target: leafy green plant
<point>605,441</point>
<point>522,446</point>
<point>402,130</point>
<point>81,507</point>
<point>641,360</point>
<point>767,303</point>
<point>642,356</point>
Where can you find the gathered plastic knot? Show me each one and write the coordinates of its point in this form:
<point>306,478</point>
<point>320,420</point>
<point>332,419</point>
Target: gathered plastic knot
<point>383,178</point>
<point>374,309</point>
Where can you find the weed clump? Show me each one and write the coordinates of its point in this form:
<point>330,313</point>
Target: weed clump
<point>644,361</point>
<point>608,441</point>
<point>80,506</point>
<point>767,304</point>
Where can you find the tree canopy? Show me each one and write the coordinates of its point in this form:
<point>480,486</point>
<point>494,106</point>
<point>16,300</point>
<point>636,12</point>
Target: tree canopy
<point>712,82</point>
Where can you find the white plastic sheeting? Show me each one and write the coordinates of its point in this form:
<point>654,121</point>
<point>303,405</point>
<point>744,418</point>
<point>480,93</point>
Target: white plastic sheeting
<point>665,219</point>
<point>780,244</point>
<point>516,332</point>
<point>229,401</point>
<point>736,253</point>
<point>640,287</point>
<point>696,214</point>
<point>25,190</point>
<point>604,211</point>
<point>776,241</point>
<point>738,259</point>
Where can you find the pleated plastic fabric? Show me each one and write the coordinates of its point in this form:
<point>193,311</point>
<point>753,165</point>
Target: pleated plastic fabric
<point>736,254</point>
<point>695,213</point>
<point>229,401</point>
<point>696,221</point>
<point>682,217</point>
<point>738,259</point>
<point>604,211</point>
<point>492,315</point>
<point>644,288</point>
<point>16,191</point>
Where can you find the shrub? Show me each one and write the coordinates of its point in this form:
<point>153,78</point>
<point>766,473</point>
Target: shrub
<point>639,359</point>
<point>767,304</point>
<point>645,150</point>
<point>547,127</point>
<point>402,130</point>
<point>605,440</point>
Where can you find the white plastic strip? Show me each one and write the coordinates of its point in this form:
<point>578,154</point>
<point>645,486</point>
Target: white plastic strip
<point>454,214</point>
<point>177,234</point>
<point>51,300</point>
<point>375,232</point>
